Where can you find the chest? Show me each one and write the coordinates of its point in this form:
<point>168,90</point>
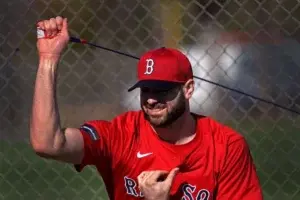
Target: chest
<point>195,179</point>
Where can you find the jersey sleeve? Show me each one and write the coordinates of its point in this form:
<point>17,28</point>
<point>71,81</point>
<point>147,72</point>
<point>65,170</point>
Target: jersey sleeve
<point>96,136</point>
<point>238,179</point>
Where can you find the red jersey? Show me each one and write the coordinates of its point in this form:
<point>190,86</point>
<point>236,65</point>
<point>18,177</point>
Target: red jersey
<point>216,164</point>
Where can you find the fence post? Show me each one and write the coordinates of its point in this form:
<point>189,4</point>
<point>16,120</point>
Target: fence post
<point>171,13</point>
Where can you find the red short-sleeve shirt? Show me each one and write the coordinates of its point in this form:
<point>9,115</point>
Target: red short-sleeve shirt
<point>216,164</point>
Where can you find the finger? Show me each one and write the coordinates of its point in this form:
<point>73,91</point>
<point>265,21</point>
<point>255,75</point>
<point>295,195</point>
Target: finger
<point>41,25</point>
<point>171,176</point>
<point>64,29</point>
<point>47,28</point>
<point>59,22</point>
<point>141,177</point>
<point>156,176</point>
<point>142,180</point>
<point>160,175</point>
<point>53,27</point>
<point>146,179</point>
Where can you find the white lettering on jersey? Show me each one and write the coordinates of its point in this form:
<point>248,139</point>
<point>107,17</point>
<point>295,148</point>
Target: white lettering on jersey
<point>131,187</point>
<point>188,190</point>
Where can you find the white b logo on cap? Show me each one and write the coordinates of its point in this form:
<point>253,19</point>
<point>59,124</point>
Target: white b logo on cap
<point>149,66</point>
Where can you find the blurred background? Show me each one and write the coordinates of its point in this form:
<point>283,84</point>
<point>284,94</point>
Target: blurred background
<point>248,45</point>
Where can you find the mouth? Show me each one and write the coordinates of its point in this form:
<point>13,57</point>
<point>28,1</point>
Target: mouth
<point>155,112</point>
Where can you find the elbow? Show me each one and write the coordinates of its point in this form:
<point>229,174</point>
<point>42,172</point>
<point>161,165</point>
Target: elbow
<point>41,147</point>
<point>42,140</point>
<point>47,147</point>
<point>38,142</point>
<point>45,151</point>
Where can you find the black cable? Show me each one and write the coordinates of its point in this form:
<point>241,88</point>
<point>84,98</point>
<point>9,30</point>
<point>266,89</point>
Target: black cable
<point>82,41</point>
<point>249,95</point>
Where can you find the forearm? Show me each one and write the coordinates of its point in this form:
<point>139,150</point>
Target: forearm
<point>45,126</point>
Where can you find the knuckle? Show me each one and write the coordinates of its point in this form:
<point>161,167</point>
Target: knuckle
<point>52,23</point>
<point>46,24</point>
<point>141,186</point>
<point>148,183</point>
<point>58,18</point>
<point>141,174</point>
<point>139,180</point>
<point>40,24</point>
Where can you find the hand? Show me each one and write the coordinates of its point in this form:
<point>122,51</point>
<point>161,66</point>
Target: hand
<point>56,37</point>
<point>156,185</point>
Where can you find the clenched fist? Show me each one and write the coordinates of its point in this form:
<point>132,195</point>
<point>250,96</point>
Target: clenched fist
<point>56,36</point>
<point>156,185</point>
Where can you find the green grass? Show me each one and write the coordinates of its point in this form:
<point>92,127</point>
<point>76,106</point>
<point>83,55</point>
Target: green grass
<point>275,148</point>
<point>24,175</point>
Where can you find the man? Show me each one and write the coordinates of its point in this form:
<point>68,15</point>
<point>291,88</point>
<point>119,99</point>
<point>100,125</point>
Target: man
<point>161,152</point>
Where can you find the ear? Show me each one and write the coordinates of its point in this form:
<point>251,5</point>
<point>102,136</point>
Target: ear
<point>188,88</point>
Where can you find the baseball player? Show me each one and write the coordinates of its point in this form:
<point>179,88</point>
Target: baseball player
<point>162,151</point>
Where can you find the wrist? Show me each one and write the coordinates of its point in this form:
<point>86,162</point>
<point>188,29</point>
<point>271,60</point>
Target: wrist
<point>49,56</point>
<point>49,62</point>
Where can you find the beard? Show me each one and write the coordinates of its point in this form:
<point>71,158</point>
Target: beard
<point>171,116</point>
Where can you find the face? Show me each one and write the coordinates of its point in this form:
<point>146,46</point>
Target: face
<point>162,108</point>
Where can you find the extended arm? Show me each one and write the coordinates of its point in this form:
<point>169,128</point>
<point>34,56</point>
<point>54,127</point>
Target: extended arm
<point>47,137</point>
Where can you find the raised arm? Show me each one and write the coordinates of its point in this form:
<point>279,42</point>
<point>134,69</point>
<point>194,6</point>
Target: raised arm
<point>47,137</point>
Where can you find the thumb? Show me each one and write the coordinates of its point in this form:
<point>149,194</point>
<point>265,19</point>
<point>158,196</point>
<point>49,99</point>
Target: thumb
<point>171,175</point>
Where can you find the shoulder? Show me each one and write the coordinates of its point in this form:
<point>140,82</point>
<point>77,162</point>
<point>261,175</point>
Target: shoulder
<point>122,118</point>
<point>221,133</point>
<point>127,120</point>
<point>124,122</point>
<point>224,140</point>
<point>126,116</point>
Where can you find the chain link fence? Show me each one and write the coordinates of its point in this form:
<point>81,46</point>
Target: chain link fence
<point>249,45</point>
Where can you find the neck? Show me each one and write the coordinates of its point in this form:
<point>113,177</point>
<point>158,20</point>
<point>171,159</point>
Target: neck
<point>180,132</point>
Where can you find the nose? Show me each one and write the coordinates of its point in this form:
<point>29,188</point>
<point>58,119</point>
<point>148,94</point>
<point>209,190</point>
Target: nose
<point>151,101</point>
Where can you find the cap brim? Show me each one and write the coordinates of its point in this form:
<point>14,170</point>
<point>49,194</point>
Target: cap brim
<point>154,84</point>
